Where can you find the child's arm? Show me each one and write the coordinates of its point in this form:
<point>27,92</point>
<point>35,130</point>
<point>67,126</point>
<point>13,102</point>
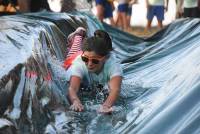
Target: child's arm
<point>73,89</point>
<point>115,86</point>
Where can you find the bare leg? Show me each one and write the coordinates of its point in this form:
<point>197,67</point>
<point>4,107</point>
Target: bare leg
<point>24,6</point>
<point>112,22</point>
<point>160,25</point>
<point>100,12</point>
<point>129,22</point>
<point>124,21</point>
<point>148,25</point>
<point>118,21</point>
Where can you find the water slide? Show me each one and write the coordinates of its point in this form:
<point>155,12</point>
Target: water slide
<point>160,90</point>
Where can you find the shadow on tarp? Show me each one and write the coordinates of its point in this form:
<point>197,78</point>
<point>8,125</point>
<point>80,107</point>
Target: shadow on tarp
<point>160,91</point>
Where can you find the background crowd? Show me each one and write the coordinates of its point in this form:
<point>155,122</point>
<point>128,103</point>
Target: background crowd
<point>155,8</point>
<point>117,13</point>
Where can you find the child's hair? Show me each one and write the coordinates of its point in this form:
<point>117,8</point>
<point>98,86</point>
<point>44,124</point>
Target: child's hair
<point>103,34</point>
<point>96,44</point>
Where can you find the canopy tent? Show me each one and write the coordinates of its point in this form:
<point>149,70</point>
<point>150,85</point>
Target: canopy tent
<point>160,91</point>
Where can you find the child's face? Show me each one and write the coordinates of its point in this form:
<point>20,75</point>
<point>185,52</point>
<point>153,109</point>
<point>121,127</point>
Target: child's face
<point>93,61</point>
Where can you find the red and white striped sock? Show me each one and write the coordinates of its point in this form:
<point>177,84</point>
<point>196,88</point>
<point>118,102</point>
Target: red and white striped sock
<point>76,45</point>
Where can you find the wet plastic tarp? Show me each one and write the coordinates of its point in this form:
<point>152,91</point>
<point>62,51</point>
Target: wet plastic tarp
<point>160,91</point>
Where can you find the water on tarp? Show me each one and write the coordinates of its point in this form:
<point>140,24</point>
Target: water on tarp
<point>90,121</point>
<point>160,90</point>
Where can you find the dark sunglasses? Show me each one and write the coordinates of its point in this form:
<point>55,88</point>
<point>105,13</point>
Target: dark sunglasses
<point>94,60</point>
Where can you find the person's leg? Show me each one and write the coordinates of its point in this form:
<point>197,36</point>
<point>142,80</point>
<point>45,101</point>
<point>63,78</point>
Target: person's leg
<point>112,22</point>
<point>148,26</point>
<point>75,40</point>
<point>24,6</point>
<point>128,17</point>
<point>159,12</point>
<point>191,12</point>
<point>194,12</point>
<point>100,10</point>
<point>187,12</point>
<point>124,21</point>
<point>150,15</point>
<point>160,24</point>
<point>123,9</point>
<point>118,22</point>
<point>108,13</point>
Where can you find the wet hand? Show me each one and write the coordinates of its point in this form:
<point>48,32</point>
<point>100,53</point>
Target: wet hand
<point>76,106</point>
<point>104,109</point>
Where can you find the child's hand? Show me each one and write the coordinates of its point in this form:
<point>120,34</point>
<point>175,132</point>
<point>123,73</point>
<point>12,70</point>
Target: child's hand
<point>105,109</point>
<point>76,106</point>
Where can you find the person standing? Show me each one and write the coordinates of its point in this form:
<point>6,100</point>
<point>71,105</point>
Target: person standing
<point>129,13</point>
<point>104,9</point>
<point>189,8</point>
<point>156,8</point>
<point>122,10</point>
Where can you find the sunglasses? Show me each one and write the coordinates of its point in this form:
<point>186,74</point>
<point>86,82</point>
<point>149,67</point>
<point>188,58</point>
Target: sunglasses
<point>93,60</point>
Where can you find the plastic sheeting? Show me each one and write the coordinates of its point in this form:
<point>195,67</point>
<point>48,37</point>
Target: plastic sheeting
<point>160,90</point>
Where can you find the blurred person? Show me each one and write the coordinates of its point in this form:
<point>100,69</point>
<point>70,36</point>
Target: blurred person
<point>188,8</point>
<point>2,6</point>
<point>121,17</point>
<point>39,5</point>
<point>156,8</point>
<point>33,5</point>
<point>179,12</point>
<point>24,6</point>
<point>104,10</point>
<point>9,6</point>
<point>12,6</point>
<point>129,13</point>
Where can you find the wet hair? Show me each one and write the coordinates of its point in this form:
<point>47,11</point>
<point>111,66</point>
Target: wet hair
<point>97,44</point>
<point>103,34</point>
<point>100,43</point>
